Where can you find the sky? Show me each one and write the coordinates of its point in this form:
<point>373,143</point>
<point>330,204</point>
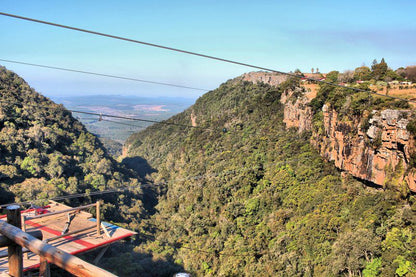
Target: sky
<point>281,35</point>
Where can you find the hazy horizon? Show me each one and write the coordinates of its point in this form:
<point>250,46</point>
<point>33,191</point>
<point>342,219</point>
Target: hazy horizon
<point>277,35</point>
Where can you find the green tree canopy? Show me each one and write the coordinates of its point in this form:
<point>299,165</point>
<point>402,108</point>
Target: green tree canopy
<point>379,70</point>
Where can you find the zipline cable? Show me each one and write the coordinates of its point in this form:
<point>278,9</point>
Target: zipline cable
<point>135,119</point>
<point>155,185</point>
<point>97,120</point>
<point>195,54</point>
<point>122,123</point>
<point>102,75</point>
<point>106,115</point>
<point>58,198</point>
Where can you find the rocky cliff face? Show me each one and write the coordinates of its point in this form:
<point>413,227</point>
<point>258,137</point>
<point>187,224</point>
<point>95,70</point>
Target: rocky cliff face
<point>297,113</point>
<point>375,148</point>
<point>380,154</point>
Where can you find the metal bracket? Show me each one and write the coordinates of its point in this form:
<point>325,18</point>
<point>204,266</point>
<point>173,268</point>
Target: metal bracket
<point>70,218</point>
<point>105,230</point>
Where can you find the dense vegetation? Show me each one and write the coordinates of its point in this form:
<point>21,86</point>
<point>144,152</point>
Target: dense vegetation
<point>239,195</point>
<point>379,72</point>
<point>113,147</point>
<point>243,196</point>
<point>45,152</point>
<point>349,102</point>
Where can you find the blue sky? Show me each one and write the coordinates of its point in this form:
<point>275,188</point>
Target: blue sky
<point>283,35</point>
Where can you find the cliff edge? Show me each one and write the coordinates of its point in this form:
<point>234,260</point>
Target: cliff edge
<point>374,146</point>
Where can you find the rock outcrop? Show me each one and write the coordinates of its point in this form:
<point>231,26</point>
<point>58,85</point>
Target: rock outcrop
<point>376,147</point>
<point>297,113</point>
<point>273,79</point>
<point>380,154</point>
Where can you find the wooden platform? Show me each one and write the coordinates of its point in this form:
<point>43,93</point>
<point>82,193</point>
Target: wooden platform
<point>52,226</point>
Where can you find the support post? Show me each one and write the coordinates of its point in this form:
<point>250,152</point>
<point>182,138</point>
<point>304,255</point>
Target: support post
<point>100,255</point>
<point>24,230</point>
<point>15,254</point>
<point>98,219</point>
<point>44,268</point>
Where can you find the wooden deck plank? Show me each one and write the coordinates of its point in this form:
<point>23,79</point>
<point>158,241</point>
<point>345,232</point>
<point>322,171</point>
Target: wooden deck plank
<point>74,244</point>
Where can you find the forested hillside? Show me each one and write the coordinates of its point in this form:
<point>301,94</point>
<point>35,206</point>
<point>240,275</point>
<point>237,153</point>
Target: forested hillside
<point>241,195</point>
<point>238,193</point>
<point>45,152</point>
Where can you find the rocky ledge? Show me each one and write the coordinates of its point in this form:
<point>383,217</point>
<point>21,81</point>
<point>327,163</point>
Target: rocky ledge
<point>376,147</point>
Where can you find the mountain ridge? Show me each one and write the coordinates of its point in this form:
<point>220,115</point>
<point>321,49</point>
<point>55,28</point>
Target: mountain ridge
<point>45,152</point>
<point>243,195</point>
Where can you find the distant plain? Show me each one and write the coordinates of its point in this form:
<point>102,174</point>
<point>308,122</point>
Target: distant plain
<point>149,108</point>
